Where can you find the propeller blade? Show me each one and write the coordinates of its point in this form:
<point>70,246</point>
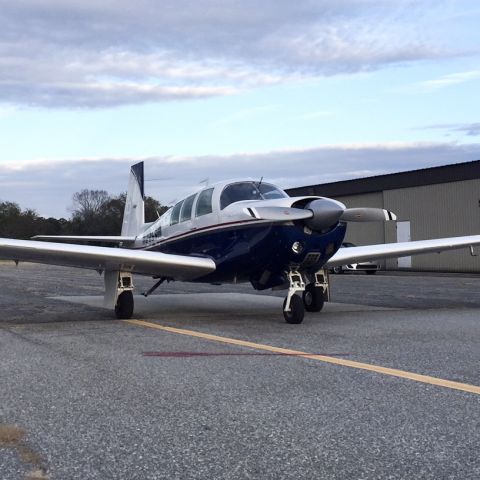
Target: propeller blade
<point>367,215</point>
<point>278,214</point>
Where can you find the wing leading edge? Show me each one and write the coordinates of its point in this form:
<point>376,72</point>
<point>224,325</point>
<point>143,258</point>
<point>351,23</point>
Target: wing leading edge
<point>403,249</point>
<point>116,239</point>
<point>181,267</point>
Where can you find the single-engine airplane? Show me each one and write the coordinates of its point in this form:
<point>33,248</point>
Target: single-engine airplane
<point>238,231</point>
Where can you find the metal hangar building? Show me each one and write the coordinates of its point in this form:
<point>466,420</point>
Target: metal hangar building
<point>429,203</point>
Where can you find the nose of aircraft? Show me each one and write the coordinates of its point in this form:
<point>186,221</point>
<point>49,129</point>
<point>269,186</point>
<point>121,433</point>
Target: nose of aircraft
<point>326,213</point>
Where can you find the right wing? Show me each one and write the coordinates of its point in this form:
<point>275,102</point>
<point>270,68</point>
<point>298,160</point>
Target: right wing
<point>180,267</point>
<point>348,255</point>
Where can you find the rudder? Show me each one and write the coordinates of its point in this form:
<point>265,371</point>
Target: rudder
<point>134,213</point>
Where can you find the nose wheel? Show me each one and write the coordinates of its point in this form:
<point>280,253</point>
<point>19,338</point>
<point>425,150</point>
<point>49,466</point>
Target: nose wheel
<point>297,311</point>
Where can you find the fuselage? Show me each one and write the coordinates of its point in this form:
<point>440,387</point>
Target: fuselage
<point>221,222</point>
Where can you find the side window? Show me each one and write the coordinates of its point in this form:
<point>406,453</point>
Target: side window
<point>176,213</point>
<point>204,202</point>
<point>186,213</point>
<point>165,218</point>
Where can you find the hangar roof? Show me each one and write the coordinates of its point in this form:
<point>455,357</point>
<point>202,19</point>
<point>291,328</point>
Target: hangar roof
<point>414,178</point>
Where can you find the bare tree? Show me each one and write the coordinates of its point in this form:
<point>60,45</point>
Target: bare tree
<point>88,204</point>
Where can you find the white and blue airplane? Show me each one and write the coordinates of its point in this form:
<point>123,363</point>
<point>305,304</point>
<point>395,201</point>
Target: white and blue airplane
<point>230,232</point>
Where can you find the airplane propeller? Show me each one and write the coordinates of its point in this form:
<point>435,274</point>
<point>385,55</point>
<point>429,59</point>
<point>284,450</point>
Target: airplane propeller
<point>367,215</point>
<point>279,213</point>
<point>327,212</point>
<point>321,214</point>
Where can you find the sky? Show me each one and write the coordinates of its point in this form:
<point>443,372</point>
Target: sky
<point>299,92</point>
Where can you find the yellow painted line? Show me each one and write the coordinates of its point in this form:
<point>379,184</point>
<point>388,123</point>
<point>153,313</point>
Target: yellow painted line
<point>465,387</point>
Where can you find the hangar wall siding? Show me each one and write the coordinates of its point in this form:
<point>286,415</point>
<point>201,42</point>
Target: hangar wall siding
<point>365,233</point>
<point>434,210</point>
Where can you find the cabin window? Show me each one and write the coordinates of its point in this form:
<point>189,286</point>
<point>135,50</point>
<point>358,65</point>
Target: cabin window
<point>204,202</point>
<point>176,213</point>
<point>186,213</point>
<point>165,219</point>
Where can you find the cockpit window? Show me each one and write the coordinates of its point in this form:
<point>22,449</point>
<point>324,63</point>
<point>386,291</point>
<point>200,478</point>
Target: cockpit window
<point>176,213</point>
<point>236,192</point>
<point>204,202</point>
<point>186,213</point>
<point>270,191</point>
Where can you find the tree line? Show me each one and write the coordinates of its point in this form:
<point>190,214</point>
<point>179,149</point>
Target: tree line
<point>93,212</point>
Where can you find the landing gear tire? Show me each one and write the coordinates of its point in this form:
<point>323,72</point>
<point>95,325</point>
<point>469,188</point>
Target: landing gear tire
<point>337,269</point>
<point>313,298</point>
<point>124,306</point>
<point>296,313</point>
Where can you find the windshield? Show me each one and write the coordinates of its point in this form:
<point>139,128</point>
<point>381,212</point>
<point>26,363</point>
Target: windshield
<point>236,192</point>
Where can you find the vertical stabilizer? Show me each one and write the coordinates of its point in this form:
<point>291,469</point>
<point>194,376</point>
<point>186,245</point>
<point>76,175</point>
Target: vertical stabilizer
<point>134,214</point>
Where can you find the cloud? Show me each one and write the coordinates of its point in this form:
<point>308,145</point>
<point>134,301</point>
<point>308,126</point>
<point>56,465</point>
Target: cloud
<point>85,53</point>
<point>449,80</point>
<point>48,186</point>
<point>470,129</point>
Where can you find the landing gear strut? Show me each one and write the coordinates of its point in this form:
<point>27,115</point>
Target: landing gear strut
<point>314,295</point>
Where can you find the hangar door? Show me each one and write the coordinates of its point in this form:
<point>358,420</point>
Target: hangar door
<point>403,235</point>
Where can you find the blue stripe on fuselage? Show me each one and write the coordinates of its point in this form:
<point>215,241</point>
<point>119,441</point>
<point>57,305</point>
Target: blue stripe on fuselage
<point>246,252</point>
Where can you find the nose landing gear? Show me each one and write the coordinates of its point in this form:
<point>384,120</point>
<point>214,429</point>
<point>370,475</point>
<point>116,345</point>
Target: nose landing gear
<point>293,310</point>
<point>313,298</point>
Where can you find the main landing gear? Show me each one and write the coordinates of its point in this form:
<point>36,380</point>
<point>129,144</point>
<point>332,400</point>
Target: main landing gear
<point>124,301</point>
<point>119,293</point>
<point>124,305</point>
<point>314,294</point>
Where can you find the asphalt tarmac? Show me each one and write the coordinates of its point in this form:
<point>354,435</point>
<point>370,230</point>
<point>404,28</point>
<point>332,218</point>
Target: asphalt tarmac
<point>208,382</point>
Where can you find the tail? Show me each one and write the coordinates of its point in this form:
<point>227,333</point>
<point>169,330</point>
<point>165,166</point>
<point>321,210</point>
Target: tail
<point>134,213</point>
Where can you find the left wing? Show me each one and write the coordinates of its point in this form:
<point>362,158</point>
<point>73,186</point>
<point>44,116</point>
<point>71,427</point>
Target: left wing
<point>115,239</point>
<point>403,249</point>
<point>181,267</point>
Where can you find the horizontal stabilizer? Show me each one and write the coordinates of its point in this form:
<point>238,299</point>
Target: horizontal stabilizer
<point>116,239</point>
